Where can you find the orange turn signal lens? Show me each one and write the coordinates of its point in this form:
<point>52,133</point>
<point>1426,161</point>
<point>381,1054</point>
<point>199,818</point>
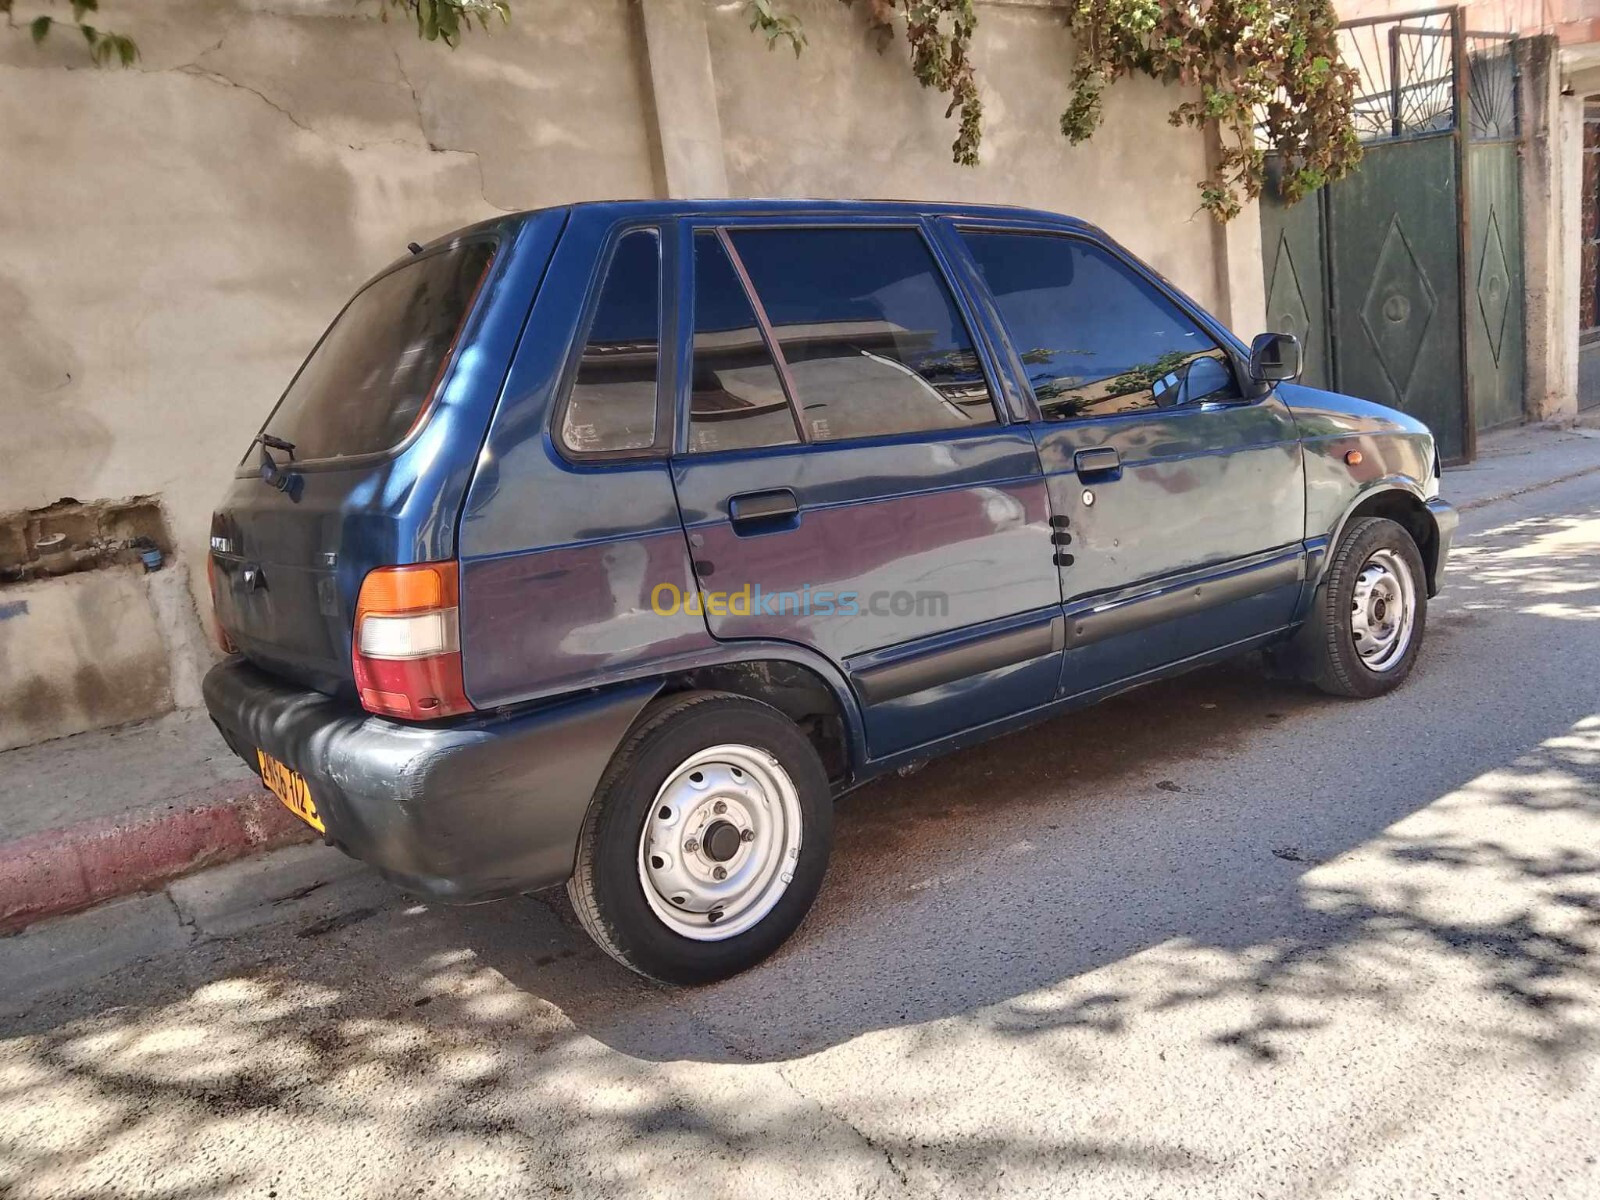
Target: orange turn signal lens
<point>409,589</point>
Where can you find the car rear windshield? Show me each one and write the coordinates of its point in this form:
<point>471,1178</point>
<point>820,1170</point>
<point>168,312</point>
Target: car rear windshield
<point>368,383</point>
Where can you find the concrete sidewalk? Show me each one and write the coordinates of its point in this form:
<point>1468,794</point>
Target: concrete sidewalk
<point>124,812</point>
<point>116,812</point>
<point>1513,461</point>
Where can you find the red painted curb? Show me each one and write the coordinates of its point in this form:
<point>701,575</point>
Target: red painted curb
<point>62,871</point>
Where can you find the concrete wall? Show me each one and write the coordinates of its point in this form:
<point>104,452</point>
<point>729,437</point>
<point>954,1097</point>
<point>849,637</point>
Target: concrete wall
<point>174,237</point>
<point>78,653</point>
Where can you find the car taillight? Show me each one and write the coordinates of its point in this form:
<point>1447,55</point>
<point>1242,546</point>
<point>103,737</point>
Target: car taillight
<point>406,650</point>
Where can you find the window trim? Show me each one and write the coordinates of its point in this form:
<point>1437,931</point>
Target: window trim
<point>768,335</point>
<point>944,271</point>
<point>659,444</point>
<point>245,469</point>
<point>1224,339</point>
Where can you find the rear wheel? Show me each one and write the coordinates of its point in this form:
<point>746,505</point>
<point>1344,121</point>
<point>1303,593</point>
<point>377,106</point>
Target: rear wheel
<point>1365,629</point>
<point>707,839</point>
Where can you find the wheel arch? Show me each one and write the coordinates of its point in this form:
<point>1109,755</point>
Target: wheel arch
<point>798,691</point>
<point>1402,503</point>
<point>799,682</point>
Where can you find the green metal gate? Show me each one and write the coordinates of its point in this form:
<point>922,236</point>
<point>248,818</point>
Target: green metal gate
<point>1403,282</point>
<point>1496,359</point>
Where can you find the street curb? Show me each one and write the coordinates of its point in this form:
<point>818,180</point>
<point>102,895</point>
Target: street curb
<point>62,871</point>
<point>308,884</point>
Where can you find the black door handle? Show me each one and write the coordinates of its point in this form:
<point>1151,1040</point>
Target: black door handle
<point>1102,462</point>
<point>776,505</point>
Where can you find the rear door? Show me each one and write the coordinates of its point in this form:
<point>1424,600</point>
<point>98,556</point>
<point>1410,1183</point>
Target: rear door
<point>847,481</point>
<point>1181,502</point>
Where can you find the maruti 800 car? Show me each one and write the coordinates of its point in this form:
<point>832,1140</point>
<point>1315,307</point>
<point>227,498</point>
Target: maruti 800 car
<point>609,544</point>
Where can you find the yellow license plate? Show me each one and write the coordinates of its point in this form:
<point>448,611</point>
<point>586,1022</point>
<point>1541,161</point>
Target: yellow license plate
<point>289,786</point>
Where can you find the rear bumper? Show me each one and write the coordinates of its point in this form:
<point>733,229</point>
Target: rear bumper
<point>1445,519</point>
<point>460,811</point>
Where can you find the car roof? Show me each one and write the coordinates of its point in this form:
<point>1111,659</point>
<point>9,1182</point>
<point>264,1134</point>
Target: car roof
<point>756,206</point>
<point>775,206</point>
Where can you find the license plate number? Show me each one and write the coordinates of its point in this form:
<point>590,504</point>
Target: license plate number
<point>290,786</point>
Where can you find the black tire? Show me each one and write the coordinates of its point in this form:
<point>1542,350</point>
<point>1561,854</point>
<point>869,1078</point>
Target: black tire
<point>1323,652</point>
<point>606,888</point>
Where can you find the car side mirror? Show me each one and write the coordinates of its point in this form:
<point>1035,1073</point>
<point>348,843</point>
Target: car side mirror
<point>1274,358</point>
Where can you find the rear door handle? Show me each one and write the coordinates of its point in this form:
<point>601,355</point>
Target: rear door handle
<point>1102,462</point>
<point>776,505</point>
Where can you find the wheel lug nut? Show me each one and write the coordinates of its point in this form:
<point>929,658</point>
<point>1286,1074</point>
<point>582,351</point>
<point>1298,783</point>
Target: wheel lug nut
<point>719,808</point>
<point>719,872</point>
<point>692,845</point>
<point>749,835</point>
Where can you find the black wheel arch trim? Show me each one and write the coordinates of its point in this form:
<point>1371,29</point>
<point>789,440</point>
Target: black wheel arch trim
<point>1442,516</point>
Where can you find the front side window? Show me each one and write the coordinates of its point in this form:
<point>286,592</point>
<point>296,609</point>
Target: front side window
<point>737,401</point>
<point>612,405</point>
<point>871,335</point>
<point>1095,337</point>
<point>370,380</point>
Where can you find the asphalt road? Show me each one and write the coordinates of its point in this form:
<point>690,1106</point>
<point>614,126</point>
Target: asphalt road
<point>1217,937</point>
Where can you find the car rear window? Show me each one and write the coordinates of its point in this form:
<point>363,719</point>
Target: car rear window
<point>369,381</point>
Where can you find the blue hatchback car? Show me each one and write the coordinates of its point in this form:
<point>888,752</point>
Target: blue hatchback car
<point>608,544</point>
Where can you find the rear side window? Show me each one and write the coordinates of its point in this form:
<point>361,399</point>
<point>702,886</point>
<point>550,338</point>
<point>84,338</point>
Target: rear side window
<point>737,401</point>
<point>871,334</point>
<point>1095,337</point>
<point>612,405</point>
<point>370,380</point>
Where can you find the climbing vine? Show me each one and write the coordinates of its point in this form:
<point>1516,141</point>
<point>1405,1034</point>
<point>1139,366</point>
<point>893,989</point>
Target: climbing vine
<point>1262,67</point>
<point>437,21</point>
<point>1268,73</point>
<point>446,20</point>
<point>939,33</point>
<point>774,25</point>
<point>105,47</point>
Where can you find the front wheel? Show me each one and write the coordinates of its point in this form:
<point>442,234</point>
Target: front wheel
<point>1367,620</point>
<point>706,841</point>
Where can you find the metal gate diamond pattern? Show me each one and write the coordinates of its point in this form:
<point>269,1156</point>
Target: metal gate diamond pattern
<point>1286,301</point>
<point>1494,285</point>
<point>1399,305</point>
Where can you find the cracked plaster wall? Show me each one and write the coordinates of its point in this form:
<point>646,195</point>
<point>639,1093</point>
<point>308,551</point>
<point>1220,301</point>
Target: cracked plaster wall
<point>174,237</point>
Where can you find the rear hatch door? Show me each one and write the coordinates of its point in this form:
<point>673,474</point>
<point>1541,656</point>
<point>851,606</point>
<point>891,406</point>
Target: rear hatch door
<point>367,456</point>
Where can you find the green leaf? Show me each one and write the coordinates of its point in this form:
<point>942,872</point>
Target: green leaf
<point>38,28</point>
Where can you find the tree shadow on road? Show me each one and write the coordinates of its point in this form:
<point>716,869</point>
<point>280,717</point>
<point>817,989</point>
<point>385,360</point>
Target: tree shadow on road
<point>1199,814</point>
<point>1225,860</point>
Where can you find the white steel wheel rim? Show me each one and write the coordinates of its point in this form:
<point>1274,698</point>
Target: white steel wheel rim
<point>701,880</point>
<point>1383,611</point>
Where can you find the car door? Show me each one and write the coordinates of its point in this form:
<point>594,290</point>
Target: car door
<point>848,483</point>
<point>1179,500</point>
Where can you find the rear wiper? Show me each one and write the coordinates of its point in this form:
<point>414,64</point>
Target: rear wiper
<point>286,481</point>
<point>277,443</point>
